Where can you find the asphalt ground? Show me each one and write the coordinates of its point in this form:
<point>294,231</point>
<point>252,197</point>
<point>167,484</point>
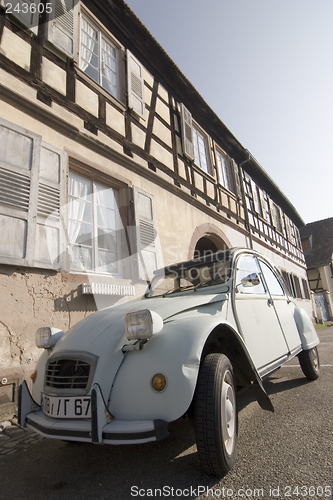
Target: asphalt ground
<point>286,455</point>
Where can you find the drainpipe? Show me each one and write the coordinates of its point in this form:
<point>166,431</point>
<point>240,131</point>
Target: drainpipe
<point>246,213</point>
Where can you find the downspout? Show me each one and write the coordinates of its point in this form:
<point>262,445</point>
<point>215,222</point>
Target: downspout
<point>246,213</point>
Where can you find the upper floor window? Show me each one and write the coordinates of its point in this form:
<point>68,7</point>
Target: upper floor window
<point>223,170</point>
<point>201,156</point>
<point>98,57</point>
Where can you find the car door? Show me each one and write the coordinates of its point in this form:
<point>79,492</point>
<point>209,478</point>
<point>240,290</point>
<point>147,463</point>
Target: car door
<point>256,316</point>
<point>284,307</point>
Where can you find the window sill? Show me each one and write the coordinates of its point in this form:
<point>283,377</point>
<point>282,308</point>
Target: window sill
<point>226,190</point>
<point>208,176</point>
<point>100,90</point>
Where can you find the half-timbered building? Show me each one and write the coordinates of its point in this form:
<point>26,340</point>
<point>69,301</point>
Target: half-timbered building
<point>112,164</point>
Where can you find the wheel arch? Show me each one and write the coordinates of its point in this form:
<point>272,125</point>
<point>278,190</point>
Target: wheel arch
<point>224,339</point>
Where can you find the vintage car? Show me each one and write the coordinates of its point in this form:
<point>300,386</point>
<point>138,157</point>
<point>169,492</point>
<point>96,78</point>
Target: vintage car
<point>204,329</point>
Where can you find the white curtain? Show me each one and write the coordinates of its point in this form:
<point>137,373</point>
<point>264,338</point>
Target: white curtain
<point>79,190</point>
<point>109,64</point>
<point>88,40</point>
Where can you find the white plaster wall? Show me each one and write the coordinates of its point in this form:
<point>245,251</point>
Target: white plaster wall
<point>16,49</point>
<point>54,76</point>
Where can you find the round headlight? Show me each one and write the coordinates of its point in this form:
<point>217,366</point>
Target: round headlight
<point>141,325</point>
<point>47,337</point>
<point>159,382</point>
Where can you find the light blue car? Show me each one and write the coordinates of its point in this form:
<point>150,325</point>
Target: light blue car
<point>204,329</point>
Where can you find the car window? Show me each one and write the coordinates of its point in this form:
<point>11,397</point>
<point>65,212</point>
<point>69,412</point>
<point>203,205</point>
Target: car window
<point>271,280</point>
<point>248,267</point>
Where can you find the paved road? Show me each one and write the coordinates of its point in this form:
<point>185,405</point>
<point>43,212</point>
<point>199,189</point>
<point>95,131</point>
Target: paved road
<point>286,455</point>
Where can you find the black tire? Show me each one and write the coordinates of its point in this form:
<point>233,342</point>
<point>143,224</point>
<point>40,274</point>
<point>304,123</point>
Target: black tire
<point>309,361</point>
<point>215,415</point>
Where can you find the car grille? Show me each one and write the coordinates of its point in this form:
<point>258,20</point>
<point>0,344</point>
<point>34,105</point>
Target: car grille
<point>67,374</point>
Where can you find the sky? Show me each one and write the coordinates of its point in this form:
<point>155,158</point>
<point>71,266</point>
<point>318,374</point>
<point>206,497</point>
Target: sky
<point>266,68</point>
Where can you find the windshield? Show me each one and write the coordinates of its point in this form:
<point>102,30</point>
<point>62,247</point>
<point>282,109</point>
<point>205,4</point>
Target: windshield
<point>191,275</point>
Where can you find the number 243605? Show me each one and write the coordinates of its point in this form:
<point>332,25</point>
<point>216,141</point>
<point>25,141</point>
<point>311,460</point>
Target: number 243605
<point>28,8</point>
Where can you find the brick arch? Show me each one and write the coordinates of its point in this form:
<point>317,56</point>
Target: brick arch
<point>211,232</point>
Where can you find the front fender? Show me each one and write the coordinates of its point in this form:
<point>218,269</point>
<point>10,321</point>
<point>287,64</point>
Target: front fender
<point>175,352</point>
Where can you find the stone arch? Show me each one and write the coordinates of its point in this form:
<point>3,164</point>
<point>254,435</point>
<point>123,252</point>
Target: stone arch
<point>207,237</point>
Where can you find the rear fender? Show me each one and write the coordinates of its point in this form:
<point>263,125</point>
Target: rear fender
<point>306,330</point>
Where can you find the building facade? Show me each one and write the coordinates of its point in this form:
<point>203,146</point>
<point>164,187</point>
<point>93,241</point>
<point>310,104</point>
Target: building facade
<point>111,165</point>
<point>317,242</point>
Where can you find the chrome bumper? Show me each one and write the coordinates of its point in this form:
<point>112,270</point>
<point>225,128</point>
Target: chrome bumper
<point>98,429</point>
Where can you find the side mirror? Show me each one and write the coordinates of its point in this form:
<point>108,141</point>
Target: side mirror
<point>250,280</point>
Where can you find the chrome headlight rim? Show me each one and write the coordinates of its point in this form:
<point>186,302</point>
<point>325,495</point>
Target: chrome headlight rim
<point>142,324</point>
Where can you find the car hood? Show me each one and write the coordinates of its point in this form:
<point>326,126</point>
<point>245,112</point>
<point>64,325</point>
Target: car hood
<point>102,334</point>
<point>108,325</point>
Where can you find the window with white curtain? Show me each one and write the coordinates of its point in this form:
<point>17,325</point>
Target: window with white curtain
<point>93,227</point>
<point>201,155</point>
<point>98,56</point>
<point>223,169</point>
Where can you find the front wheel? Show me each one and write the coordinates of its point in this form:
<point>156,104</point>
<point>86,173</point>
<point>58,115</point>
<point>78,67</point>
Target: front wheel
<point>215,415</point>
<point>309,361</point>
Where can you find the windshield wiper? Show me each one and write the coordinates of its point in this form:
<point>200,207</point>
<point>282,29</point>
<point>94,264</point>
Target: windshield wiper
<point>180,289</point>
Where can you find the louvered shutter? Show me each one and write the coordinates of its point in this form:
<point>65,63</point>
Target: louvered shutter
<point>255,195</point>
<point>237,186</point>
<point>19,164</point>
<point>63,25</point>
<point>264,205</point>
<point>135,85</point>
<point>23,13</point>
<point>50,240</point>
<point>273,212</point>
<point>187,132</point>
<point>146,234</point>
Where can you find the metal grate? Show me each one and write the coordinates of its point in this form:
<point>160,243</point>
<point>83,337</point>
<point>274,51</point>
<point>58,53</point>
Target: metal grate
<point>67,374</point>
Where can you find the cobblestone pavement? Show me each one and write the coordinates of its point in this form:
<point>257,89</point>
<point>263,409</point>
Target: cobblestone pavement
<point>14,438</point>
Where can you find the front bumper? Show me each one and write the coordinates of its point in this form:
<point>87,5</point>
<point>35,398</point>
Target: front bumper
<point>98,429</point>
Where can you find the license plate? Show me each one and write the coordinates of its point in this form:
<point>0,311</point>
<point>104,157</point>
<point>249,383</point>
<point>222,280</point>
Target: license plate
<point>66,407</point>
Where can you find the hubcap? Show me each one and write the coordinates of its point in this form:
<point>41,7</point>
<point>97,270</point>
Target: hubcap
<point>228,413</point>
<point>315,360</point>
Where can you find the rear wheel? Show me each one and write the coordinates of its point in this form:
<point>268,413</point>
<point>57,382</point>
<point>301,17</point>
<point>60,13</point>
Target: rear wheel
<point>215,415</point>
<point>309,361</point>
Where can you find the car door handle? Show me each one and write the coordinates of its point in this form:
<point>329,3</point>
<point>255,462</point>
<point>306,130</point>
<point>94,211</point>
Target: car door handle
<point>270,302</point>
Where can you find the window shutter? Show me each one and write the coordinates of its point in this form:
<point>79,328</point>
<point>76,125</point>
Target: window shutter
<point>255,195</point>
<point>264,205</point>
<point>50,238</point>
<point>19,165</point>
<point>238,191</point>
<point>63,26</point>
<point>28,19</point>
<point>146,234</point>
<point>187,132</point>
<point>273,213</point>
<point>135,85</point>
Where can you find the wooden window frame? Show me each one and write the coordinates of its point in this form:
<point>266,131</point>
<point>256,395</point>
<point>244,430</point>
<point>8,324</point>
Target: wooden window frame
<point>219,152</point>
<point>103,33</point>
<point>204,135</point>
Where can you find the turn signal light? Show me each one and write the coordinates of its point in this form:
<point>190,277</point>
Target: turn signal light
<point>159,382</point>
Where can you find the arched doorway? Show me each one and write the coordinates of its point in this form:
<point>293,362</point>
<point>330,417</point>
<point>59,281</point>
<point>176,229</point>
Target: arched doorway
<point>204,246</point>
<point>207,239</point>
